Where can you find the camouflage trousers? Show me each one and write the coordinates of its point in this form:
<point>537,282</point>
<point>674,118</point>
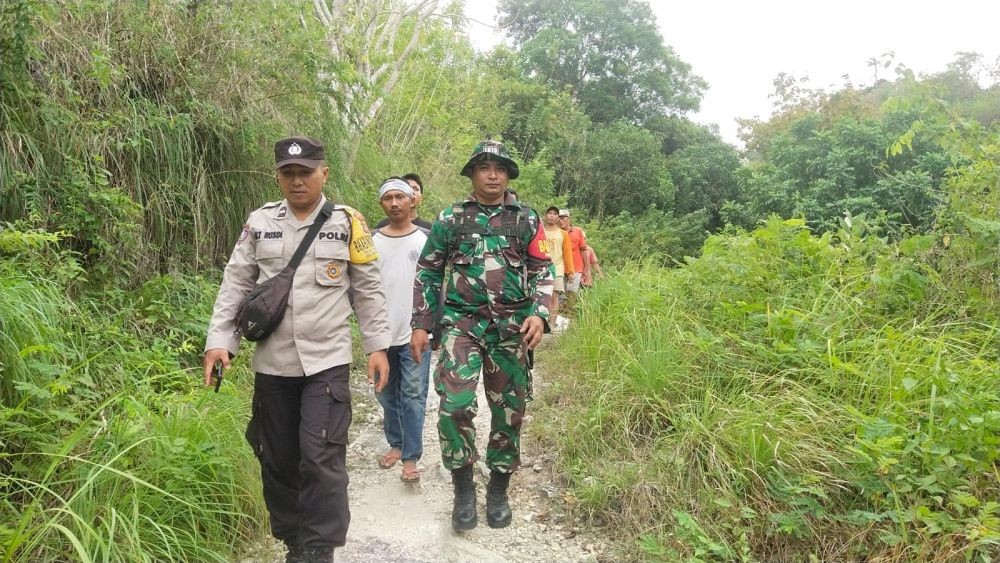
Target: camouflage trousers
<point>505,380</point>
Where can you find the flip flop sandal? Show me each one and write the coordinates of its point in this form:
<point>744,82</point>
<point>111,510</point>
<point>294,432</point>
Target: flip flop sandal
<point>410,475</point>
<point>389,459</point>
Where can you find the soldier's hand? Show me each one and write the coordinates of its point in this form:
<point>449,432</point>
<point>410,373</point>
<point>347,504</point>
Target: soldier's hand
<point>378,362</point>
<point>531,331</point>
<point>418,344</point>
<point>212,357</point>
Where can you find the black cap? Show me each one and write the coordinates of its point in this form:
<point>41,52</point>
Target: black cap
<point>298,150</point>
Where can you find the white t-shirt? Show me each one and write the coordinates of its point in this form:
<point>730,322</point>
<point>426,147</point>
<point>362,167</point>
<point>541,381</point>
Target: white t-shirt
<point>397,262</point>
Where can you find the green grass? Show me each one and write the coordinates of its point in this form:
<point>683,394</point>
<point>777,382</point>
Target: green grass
<point>147,485</point>
<point>782,397</point>
<point>111,449</point>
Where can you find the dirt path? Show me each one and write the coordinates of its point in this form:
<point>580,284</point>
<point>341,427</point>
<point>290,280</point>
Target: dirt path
<point>394,521</point>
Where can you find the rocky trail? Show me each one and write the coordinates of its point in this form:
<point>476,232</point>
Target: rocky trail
<point>404,522</point>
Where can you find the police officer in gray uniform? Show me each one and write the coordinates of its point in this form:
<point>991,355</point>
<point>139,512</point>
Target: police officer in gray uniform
<point>302,401</point>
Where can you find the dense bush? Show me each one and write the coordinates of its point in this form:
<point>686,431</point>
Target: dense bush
<point>822,170</point>
<point>783,396</point>
<point>790,396</point>
<point>144,131</point>
<point>111,450</point>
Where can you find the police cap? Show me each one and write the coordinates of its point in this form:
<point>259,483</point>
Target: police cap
<point>298,150</point>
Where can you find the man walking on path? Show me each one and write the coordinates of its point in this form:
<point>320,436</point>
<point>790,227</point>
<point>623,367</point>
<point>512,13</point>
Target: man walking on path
<point>593,268</point>
<point>418,197</point>
<point>404,398</point>
<point>301,399</point>
<point>578,245</point>
<point>560,252</point>
<point>495,309</point>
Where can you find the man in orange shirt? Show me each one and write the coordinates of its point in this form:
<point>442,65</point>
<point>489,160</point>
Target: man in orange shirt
<point>578,246</point>
<point>593,268</point>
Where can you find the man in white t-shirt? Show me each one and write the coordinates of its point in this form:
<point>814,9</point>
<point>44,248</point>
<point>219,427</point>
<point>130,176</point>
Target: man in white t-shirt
<point>404,398</point>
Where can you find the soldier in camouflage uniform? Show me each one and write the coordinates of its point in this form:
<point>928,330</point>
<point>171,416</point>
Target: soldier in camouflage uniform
<point>494,311</point>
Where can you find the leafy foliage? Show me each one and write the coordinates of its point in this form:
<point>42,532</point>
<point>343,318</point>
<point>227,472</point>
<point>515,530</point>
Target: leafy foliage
<point>623,171</point>
<point>820,172</point>
<point>610,55</point>
<point>109,453</point>
<point>705,179</point>
<point>791,396</point>
<point>145,131</point>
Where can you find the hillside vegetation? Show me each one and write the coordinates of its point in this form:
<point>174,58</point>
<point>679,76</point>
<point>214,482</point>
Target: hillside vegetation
<point>793,356</point>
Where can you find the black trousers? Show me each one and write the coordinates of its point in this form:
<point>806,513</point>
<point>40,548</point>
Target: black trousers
<point>298,431</point>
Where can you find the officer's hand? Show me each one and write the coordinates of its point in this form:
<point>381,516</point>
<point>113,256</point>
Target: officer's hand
<point>418,344</point>
<point>212,357</point>
<point>531,331</point>
<point>378,362</point>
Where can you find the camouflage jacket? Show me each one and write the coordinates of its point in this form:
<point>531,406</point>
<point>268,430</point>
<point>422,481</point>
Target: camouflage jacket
<point>494,278</point>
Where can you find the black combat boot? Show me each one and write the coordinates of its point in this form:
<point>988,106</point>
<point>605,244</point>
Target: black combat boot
<point>319,555</point>
<point>498,513</point>
<point>463,515</point>
<point>296,554</point>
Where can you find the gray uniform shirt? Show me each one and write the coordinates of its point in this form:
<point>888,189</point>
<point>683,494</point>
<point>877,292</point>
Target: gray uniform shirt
<point>314,334</point>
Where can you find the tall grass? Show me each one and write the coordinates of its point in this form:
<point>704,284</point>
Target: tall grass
<point>144,130</point>
<point>783,397</point>
<point>135,137</point>
<point>147,484</point>
<point>111,450</point>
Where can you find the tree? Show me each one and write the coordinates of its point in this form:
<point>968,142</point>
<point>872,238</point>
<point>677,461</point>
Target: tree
<point>623,171</point>
<point>608,53</point>
<point>679,132</point>
<point>820,171</point>
<point>704,176</point>
<point>373,40</point>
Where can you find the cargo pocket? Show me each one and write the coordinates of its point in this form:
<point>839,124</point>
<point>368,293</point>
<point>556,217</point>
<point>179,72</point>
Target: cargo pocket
<point>515,282</point>
<point>331,263</point>
<point>255,428</point>
<point>463,257</point>
<point>339,416</point>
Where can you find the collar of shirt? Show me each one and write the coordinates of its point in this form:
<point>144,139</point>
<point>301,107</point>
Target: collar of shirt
<point>508,201</point>
<point>284,212</point>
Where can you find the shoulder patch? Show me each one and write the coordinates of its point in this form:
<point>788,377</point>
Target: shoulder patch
<point>538,248</point>
<point>244,234</point>
<point>362,247</point>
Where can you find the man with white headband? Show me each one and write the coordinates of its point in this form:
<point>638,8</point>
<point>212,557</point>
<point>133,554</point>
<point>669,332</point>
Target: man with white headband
<point>404,397</point>
<point>413,179</point>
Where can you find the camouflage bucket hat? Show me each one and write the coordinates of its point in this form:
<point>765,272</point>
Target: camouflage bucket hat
<point>491,150</point>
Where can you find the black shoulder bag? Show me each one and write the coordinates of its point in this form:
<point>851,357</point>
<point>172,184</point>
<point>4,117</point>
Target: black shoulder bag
<point>264,307</point>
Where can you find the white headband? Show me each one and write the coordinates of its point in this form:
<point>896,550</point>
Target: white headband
<point>395,184</point>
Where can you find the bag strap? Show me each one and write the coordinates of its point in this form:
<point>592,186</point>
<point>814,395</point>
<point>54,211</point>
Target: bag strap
<point>318,223</point>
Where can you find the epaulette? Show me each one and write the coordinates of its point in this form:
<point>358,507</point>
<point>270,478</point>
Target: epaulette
<point>271,204</point>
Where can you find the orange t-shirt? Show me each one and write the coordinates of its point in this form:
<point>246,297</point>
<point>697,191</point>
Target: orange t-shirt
<point>577,242</point>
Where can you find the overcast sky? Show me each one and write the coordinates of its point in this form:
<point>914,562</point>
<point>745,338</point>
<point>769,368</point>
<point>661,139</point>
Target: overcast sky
<point>740,47</point>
